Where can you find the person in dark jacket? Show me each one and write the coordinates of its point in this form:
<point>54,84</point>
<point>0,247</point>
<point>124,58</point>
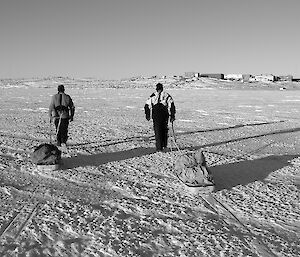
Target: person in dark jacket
<point>162,107</point>
<point>61,111</point>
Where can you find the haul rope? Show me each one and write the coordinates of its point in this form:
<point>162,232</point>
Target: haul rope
<point>58,125</point>
<point>174,139</point>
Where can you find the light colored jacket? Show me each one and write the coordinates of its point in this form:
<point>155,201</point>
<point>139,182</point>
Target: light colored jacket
<point>61,103</point>
<point>165,99</point>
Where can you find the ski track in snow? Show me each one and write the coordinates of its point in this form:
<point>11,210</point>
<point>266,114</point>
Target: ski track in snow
<point>115,196</point>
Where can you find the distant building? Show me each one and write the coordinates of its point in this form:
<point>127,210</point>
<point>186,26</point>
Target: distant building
<point>190,74</point>
<point>233,76</point>
<point>212,75</point>
<point>265,78</point>
<point>284,78</point>
<point>247,77</point>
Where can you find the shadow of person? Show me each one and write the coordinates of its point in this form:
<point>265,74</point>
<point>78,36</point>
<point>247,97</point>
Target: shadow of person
<point>83,160</point>
<point>245,172</point>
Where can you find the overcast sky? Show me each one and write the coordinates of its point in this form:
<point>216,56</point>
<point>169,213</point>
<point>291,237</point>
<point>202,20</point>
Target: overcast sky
<point>115,39</point>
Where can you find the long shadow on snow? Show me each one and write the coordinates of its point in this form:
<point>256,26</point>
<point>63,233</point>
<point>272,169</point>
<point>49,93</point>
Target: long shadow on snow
<point>109,142</point>
<point>277,132</point>
<point>102,158</point>
<point>230,127</point>
<point>245,172</point>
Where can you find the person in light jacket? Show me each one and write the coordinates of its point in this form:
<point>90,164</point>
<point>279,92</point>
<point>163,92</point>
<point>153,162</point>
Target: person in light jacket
<point>162,107</point>
<point>61,110</point>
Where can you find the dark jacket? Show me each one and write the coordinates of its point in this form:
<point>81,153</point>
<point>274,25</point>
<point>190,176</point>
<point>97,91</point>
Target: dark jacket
<point>162,106</point>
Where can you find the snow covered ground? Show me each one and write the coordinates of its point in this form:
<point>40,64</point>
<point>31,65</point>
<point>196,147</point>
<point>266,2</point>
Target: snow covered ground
<point>116,196</point>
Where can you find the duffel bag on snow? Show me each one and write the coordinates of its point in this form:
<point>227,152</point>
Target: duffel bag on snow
<point>46,154</point>
<point>191,169</point>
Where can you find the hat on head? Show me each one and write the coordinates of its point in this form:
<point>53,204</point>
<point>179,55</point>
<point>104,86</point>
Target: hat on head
<point>61,88</point>
<point>159,86</point>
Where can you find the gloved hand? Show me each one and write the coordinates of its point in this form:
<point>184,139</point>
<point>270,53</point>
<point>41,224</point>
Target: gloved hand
<point>172,118</point>
<point>71,118</point>
<point>148,117</point>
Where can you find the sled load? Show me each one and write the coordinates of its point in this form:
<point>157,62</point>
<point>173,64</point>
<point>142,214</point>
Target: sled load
<point>191,169</point>
<point>47,156</point>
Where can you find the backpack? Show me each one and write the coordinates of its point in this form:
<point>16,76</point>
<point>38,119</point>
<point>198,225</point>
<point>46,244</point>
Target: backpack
<point>60,109</point>
<point>191,169</point>
<point>46,154</point>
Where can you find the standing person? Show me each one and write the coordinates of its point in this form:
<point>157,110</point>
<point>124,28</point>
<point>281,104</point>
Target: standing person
<point>162,106</point>
<point>61,110</point>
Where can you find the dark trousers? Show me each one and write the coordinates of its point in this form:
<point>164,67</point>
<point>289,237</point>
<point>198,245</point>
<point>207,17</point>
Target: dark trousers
<point>160,118</point>
<point>161,133</point>
<point>62,130</point>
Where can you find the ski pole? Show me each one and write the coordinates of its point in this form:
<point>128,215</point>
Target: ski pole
<point>50,132</point>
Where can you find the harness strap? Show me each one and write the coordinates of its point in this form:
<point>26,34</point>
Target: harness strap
<point>60,100</point>
<point>61,108</point>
